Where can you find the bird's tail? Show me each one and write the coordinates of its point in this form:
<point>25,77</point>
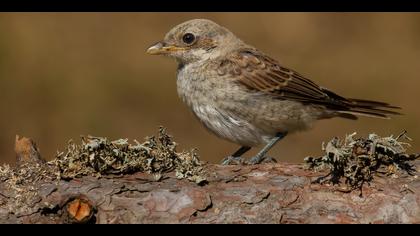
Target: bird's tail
<point>350,108</point>
<point>360,107</point>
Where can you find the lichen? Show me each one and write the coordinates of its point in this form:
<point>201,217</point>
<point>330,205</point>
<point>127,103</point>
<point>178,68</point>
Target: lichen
<point>22,183</point>
<point>157,155</point>
<point>358,160</point>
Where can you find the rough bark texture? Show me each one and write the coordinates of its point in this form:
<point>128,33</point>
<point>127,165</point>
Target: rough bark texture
<point>267,193</point>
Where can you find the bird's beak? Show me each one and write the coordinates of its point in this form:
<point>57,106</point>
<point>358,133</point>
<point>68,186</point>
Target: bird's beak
<point>162,48</point>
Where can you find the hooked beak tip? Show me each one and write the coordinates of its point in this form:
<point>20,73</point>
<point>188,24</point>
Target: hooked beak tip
<point>155,49</point>
<point>162,48</point>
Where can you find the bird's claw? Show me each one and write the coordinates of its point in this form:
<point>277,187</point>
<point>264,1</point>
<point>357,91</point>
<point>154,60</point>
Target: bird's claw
<point>231,160</point>
<point>258,160</point>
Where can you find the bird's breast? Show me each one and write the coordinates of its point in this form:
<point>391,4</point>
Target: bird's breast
<point>192,85</point>
<point>211,102</point>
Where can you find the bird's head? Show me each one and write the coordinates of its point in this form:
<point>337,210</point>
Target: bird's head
<point>195,40</point>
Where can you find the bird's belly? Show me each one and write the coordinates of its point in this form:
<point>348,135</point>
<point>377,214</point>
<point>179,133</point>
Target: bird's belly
<point>228,127</point>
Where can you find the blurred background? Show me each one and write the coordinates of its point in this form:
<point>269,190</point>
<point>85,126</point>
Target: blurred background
<point>63,75</point>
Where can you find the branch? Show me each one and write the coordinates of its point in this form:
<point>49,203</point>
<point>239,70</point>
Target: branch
<point>266,193</point>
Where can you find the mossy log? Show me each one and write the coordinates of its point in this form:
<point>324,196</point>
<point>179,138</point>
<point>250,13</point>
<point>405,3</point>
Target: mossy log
<point>266,193</point>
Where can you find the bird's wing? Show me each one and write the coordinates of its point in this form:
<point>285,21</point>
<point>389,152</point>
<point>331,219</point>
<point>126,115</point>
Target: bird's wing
<point>258,72</point>
<point>261,73</point>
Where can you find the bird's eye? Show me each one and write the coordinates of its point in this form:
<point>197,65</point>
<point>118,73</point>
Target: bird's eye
<point>188,38</point>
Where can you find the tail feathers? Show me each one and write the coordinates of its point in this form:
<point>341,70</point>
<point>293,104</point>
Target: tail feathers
<point>353,115</point>
<point>359,107</point>
<point>368,103</point>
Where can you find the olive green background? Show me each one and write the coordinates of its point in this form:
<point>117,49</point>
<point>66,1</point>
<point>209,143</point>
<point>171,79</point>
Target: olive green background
<point>67,74</point>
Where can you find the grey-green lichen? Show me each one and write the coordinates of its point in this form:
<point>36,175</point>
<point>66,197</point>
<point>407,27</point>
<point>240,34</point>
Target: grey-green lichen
<point>357,160</point>
<point>99,156</point>
<point>21,184</point>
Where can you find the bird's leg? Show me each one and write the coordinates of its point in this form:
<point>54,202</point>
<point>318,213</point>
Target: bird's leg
<point>241,151</point>
<point>236,158</point>
<point>261,155</point>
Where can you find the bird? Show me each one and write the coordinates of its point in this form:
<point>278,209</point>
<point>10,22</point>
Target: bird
<point>243,95</point>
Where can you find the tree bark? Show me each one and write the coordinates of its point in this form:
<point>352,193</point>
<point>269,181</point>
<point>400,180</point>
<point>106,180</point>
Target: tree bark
<point>266,193</point>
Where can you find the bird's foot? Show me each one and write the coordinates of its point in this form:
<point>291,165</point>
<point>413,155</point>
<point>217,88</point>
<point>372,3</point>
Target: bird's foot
<point>258,160</point>
<point>231,160</point>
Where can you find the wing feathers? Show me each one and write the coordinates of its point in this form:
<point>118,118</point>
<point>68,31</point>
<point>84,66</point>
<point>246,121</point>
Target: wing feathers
<point>259,72</point>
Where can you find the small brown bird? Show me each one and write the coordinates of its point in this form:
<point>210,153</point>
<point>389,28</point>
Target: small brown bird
<point>244,96</point>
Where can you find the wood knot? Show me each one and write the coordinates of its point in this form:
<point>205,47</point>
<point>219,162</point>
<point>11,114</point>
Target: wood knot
<point>80,211</point>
